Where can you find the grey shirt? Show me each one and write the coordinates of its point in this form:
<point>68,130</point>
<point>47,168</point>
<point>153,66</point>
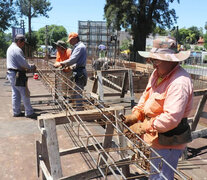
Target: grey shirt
<point>78,56</point>
<point>15,58</point>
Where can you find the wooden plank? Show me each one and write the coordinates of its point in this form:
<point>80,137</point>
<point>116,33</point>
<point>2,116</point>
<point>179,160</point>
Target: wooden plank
<point>41,96</point>
<point>42,102</point>
<point>77,150</point>
<point>124,85</point>
<point>198,112</point>
<point>86,115</point>
<point>111,94</point>
<point>44,155</point>
<point>95,85</point>
<point>45,170</point>
<point>122,143</point>
<point>38,154</point>
<point>100,86</point>
<point>199,133</point>
<point>107,141</point>
<point>203,115</point>
<point>131,88</point>
<point>200,92</point>
<point>114,86</point>
<point>53,148</point>
<point>114,71</point>
<point>94,95</point>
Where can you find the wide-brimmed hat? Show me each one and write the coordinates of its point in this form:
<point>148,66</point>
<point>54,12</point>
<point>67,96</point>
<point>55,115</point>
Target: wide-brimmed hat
<point>164,48</point>
<point>61,44</point>
<point>71,36</point>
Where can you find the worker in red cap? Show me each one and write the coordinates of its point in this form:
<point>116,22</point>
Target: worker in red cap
<point>77,58</point>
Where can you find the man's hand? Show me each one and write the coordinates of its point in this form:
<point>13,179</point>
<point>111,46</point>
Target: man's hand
<point>139,128</point>
<point>67,69</point>
<point>57,64</point>
<point>130,119</point>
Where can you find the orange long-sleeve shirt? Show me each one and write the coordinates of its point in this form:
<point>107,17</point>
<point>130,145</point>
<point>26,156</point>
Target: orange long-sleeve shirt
<point>63,56</point>
<point>166,103</point>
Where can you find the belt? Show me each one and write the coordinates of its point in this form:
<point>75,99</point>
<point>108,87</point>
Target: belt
<point>182,126</point>
<point>10,69</point>
<point>79,68</point>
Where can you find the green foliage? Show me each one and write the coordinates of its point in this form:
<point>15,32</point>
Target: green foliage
<point>186,46</point>
<point>205,58</point>
<point>160,31</point>
<point>141,16</point>
<point>190,35</point>
<point>33,8</point>
<point>205,40</point>
<point>55,33</point>
<point>197,48</point>
<point>5,41</point>
<point>125,45</point>
<point>7,15</point>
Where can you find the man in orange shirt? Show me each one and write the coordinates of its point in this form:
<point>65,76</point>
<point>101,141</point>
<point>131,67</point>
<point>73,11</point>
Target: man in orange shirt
<point>63,53</point>
<point>160,117</point>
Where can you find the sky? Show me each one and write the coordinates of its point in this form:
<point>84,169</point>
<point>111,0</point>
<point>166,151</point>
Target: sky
<point>68,12</point>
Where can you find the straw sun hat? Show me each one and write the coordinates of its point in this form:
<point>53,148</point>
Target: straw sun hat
<point>164,48</point>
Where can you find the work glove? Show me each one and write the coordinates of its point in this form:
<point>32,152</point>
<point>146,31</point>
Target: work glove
<point>139,128</point>
<point>130,119</point>
<point>133,118</point>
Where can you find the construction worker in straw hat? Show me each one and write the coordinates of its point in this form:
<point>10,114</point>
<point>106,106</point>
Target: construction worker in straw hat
<point>77,58</point>
<point>160,117</point>
<point>63,53</point>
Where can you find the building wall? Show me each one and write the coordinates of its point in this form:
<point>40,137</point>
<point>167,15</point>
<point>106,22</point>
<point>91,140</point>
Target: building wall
<point>94,33</point>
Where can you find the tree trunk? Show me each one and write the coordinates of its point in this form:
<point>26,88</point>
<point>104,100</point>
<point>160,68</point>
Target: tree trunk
<point>30,30</point>
<point>139,45</point>
<point>29,20</point>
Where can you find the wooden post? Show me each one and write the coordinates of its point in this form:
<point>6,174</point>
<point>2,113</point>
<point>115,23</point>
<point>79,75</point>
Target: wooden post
<point>122,143</point>
<point>52,148</point>
<point>198,112</point>
<point>100,86</point>
<point>107,140</point>
<point>131,87</point>
<point>124,84</point>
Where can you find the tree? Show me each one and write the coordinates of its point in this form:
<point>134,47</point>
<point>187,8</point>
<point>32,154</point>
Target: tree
<point>55,33</point>
<point>197,34</point>
<point>190,35</point>
<point>5,41</point>
<point>125,45</point>
<point>141,16</point>
<point>32,9</point>
<point>160,31</point>
<point>7,15</point>
<point>205,41</point>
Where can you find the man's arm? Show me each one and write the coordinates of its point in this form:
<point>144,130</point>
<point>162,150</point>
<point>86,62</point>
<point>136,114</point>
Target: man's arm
<point>22,61</point>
